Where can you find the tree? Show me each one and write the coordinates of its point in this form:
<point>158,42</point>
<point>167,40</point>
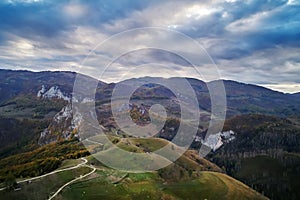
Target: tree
<point>10,181</point>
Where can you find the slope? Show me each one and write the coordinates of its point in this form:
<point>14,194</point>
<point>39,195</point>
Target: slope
<point>264,155</point>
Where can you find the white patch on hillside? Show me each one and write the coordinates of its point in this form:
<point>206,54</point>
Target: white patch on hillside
<point>41,91</point>
<point>66,121</point>
<point>215,141</point>
<point>64,114</point>
<point>87,100</point>
<point>53,92</point>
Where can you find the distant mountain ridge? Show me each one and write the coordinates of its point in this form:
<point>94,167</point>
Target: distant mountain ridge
<point>46,96</point>
<point>36,109</point>
<point>297,95</point>
<point>241,98</point>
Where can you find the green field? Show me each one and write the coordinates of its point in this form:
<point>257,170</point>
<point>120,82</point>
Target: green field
<point>209,185</point>
<point>108,183</point>
<point>42,188</point>
<point>189,177</point>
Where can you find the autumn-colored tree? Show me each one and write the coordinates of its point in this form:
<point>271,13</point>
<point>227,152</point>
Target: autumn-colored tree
<point>10,181</point>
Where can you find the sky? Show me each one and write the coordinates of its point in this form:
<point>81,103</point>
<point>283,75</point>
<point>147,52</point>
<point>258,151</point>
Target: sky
<point>251,41</point>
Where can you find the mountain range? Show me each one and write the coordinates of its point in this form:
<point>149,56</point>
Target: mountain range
<point>241,98</point>
<point>36,116</point>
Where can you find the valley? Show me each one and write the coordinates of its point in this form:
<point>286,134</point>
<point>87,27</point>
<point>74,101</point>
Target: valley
<point>42,147</point>
<point>90,179</point>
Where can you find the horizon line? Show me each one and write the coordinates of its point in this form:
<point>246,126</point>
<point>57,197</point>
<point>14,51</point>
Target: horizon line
<point>263,85</point>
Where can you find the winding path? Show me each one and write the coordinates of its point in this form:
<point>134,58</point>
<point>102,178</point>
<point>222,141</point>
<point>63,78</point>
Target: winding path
<point>57,171</point>
<point>54,172</point>
<point>72,181</point>
<point>91,141</point>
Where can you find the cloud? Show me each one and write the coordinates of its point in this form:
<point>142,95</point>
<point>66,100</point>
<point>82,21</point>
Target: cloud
<point>274,66</point>
<point>75,10</point>
<point>286,87</point>
<point>269,28</point>
<point>255,41</point>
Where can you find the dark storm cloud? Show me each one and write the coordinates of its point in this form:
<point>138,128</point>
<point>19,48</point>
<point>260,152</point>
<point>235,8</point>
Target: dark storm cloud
<point>29,20</point>
<point>49,18</point>
<point>243,27</point>
<point>258,40</point>
<point>278,27</point>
